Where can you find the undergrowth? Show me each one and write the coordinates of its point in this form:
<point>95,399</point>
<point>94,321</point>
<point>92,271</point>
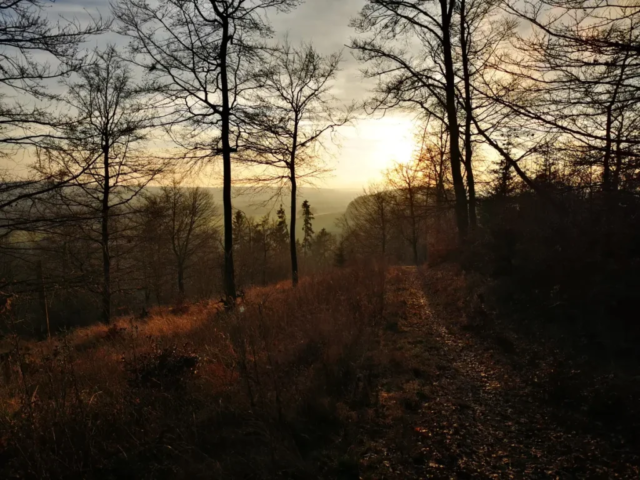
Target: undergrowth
<point>267,390</point>
<point>570,373</point>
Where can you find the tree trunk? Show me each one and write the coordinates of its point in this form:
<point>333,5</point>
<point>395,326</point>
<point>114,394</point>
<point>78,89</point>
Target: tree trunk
<point>292,230</point>
<point>616,174</point>
<point>606,167</point>
<point>471,186</point>
<point>229,272</point>
<point>42,294</point>
<point>106,256</point>
<point>383,223</point>
<point>294,197</point>
<point>414,247</point>
<point>265,253</point>
<point>462,214</point>
<point>181,290</point>
<point>607,170</point>
<point>414,230</point>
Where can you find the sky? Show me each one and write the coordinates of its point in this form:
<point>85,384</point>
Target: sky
<point>372,143</point>
<point>361,151</point>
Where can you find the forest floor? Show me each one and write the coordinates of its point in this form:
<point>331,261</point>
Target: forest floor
<point>452,404</point>
<point>357,374</point>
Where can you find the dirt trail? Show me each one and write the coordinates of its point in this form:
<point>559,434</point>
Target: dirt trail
<point>450,406</point>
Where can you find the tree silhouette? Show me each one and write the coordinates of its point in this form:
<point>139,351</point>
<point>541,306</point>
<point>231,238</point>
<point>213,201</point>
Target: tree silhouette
<point>307,217</point>
<point>202,56</point>
<point>102,153</point>
<point>291,117</point>
<point>426,80</point>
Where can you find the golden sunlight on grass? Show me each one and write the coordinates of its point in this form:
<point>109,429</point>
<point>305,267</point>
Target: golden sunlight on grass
<point>199,373</point>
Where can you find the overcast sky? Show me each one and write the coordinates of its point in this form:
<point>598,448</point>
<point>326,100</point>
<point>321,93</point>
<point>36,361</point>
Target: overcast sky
<point>364,149</point>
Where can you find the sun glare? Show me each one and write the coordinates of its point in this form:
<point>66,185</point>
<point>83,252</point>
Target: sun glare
<point>394,138</point>
<point>373,146</point>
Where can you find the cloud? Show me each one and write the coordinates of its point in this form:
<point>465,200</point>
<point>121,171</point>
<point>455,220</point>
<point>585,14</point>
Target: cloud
<point>325,24</point>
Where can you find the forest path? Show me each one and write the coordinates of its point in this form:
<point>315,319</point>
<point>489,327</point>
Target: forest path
<point>450,406</point>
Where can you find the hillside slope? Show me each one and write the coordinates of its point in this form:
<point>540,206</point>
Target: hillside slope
<point>357,374</point>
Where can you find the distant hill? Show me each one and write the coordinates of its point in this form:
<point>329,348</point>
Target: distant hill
<point>328,221</point>
<point>327,204</point>
<point>257,202</point>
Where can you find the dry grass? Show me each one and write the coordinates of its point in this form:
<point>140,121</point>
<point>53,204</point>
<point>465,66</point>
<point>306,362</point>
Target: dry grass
<point>253,393</point>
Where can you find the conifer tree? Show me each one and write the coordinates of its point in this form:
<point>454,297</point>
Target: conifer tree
<point>282,231</point>
<point>307,217</point>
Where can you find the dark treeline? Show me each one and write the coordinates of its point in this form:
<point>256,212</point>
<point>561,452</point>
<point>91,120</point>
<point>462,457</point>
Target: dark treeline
<point>528,152</point>
<point>84,236</point>
<point>526,167</point>
<point>165,248</point>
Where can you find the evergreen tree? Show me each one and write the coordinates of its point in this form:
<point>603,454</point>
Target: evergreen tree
<point>503,179</point>
<point>265,239</point>
<point>239,219</point>
<point>307,227</point>
<point>239,229</point>
<point>503,182</point>
<point>281,230</point>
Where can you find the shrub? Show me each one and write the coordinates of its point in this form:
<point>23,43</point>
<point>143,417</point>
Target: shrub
<point>252,391</point>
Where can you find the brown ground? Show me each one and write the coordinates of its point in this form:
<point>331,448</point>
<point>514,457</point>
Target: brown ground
<point>347,377</point>
<point>451,406</point>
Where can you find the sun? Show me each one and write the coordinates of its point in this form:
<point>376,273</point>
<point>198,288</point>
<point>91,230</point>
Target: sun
<point>388,140</point>
<point>370,147</point>
<point>399,144</point>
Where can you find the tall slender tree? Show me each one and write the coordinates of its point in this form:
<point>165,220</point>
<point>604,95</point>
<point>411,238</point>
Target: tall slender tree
<point>307,228</point>
<point>409,187</point>
<point>113,118</point>
<point>293,114</point>
<point>203,55</point>
<point>423,77</point>
<point>188,215</point>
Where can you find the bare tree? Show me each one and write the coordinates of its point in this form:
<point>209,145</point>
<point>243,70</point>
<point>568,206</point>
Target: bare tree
<point>35,48</point>
<point>572,79</point>
<point>369,220</point>
<point>293,114</point>
<point>407,183</point>
<point>187,216</point>
<point>102,144</point>
<point>203,55</point>
<point>424,76</point>
<point>29,40</point>
<point>481,34</point>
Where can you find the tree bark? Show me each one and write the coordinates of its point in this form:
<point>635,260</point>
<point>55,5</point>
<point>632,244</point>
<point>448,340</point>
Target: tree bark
<point>229,272</point>
<point>292,229</point>
<point>462,214</point>
<point>294,198</point>
<point>471,185</point>
<point>106,256</point>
